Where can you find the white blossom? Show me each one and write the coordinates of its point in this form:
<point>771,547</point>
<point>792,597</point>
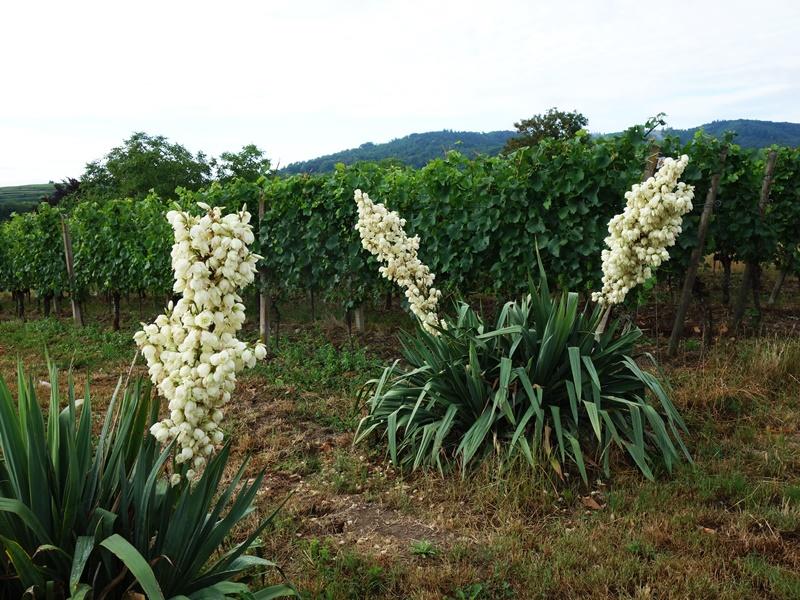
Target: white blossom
<point>640,236</point>
<point>192,352</point>
<point>382,234</point>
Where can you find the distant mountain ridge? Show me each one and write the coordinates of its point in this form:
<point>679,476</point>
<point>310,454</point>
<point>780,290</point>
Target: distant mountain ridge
<point>415,150</point>
<point>750,133</point>
<point>418,149</point>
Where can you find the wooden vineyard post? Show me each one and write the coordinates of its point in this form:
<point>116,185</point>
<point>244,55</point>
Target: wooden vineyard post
<point>358,318</point>
<point>694,259</point>
<point>652,162</point>
<point>263,296</point>
<point>76,307</point>
<point>773,297</point>
<point>751,274</point>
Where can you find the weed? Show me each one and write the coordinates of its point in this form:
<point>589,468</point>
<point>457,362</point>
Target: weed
<point>424,548</point>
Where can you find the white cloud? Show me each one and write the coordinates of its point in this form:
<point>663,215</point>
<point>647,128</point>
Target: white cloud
<point>305,78</point>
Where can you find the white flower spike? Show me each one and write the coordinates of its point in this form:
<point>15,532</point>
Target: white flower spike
<point>640,236</point>
<point>192,352</point>
<point>382,234</point>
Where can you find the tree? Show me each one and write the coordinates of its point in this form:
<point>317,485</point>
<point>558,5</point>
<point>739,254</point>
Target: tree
<point>143,163</point>
<point>62,191</point>
<point>248,164</point>
<point>552,124</point>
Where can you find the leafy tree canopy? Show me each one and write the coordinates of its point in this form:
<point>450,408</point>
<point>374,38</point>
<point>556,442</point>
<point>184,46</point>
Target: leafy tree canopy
<point>68,187</point>
<point>142,163</point>
<point>249,164</point>
<point>554,123</point>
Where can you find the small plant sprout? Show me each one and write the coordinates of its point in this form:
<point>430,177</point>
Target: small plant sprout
<point>423,548</point>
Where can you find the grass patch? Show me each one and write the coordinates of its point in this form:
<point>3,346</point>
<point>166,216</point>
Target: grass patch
<point>86,347</point>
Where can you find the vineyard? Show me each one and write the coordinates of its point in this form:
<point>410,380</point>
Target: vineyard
<point>482,220</point>
<point>559,372</point>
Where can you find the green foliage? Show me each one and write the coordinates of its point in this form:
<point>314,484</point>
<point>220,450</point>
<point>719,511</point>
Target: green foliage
<point>33,252</point>
<point>783,211</point>
<point>64,192</point>
<point>48,271</point>
<point>346,574</point>
<point>424,548</point>
<point>476,218</point>
<point>539,384</point>
<point>122,246</point>
<point>141,164</point>
<point>79,517</point>
<point>248,164</point>
<point>553,124</point>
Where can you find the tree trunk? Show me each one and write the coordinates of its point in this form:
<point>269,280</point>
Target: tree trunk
<point>708,316</point>
<point>46,301</point>
<point>726,279</point>
<point>115,301</point>
<point>313,304</point>
<point>388,303</point>
<point>57,304</point>
<point>757,288</point>
<point>773,297</point>
<point>348,320</point>
<point>275,307</point>
<point>20,298</point>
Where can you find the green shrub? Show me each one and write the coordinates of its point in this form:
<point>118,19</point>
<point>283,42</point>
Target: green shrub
<point>539,383</point>
<point>86,517</point>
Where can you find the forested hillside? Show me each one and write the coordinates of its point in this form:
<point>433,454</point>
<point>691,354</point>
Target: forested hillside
<point>414,150</point>
<point>418,149</point>
<point>749,133</point>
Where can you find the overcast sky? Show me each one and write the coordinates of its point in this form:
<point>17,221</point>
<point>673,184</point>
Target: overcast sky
<point>305,78</point>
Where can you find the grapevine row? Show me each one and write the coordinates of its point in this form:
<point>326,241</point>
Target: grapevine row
<point>480,220</point>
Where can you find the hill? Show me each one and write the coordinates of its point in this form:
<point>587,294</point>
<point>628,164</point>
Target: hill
<point>749,132</point>
<point>22,198</point>
<point>418,149</point>
<point>415,150</point>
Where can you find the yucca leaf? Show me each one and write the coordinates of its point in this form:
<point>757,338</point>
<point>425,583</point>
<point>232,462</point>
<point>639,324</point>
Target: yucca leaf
<point>276,591</point>
<point>83,549</point>
<point>135,563</point>
<point>29,574</point>
<point>577,454</point>
<point>26,515</point>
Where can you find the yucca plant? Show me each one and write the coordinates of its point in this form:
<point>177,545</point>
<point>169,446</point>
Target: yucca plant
<point>95,517</point>
<point>540,383</point>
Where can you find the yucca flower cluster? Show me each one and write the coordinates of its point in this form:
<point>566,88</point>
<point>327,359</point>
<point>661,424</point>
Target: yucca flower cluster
<point>382,234</point>
<point>640,236</point>
<point>192,352</point>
